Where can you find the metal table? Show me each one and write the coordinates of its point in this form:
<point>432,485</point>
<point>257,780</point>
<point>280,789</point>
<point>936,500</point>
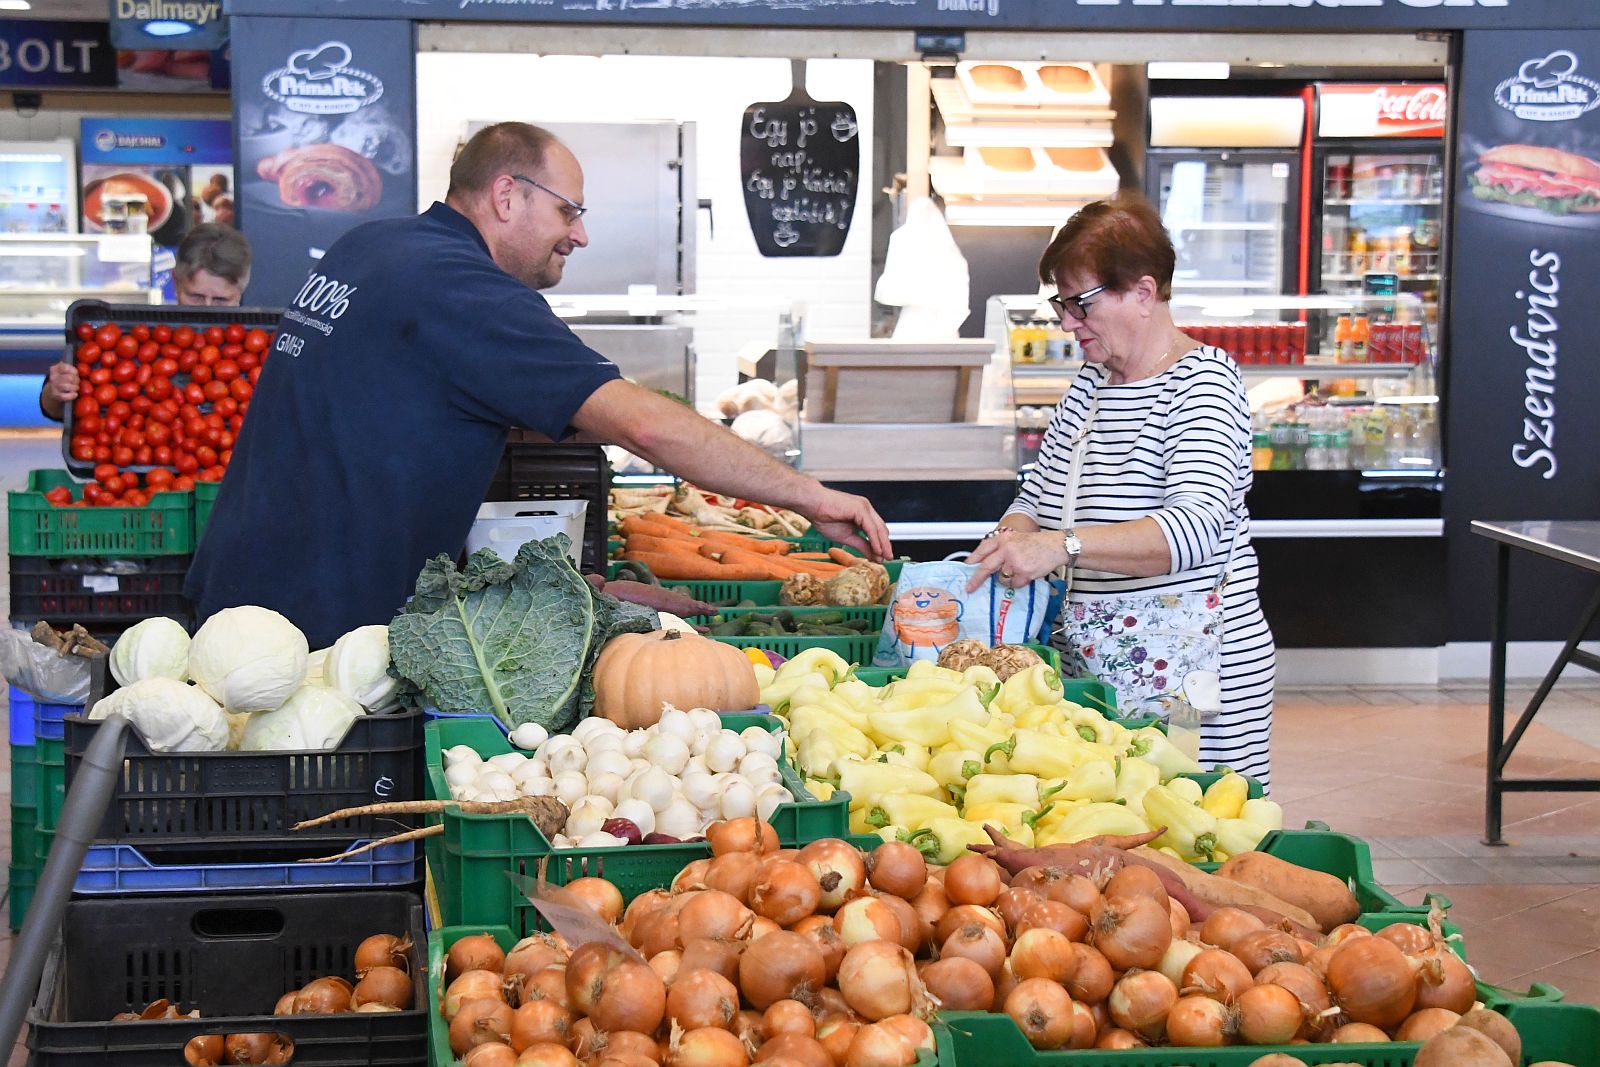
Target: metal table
<point>1576,544</point>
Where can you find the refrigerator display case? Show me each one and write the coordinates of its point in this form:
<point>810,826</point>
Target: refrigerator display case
<point>1225,174</point>
<point>1377,191</point>
<point>38,187</point>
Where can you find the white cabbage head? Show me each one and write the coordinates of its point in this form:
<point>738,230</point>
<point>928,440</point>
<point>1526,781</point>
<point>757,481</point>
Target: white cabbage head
<point>170,715</point>
<point>154,648</point>
<point>313,718</point>
<point>358,666</point>
<point>248,658</point>
<point>317,667</point>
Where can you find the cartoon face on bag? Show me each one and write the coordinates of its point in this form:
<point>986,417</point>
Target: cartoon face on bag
<point>927,617</point>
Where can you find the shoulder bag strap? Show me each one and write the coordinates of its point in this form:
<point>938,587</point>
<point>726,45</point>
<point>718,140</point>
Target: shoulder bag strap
<point>1069,499</point>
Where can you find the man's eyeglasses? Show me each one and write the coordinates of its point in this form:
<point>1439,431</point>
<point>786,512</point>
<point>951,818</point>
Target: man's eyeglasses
<point>572,211</point>
<point>1076,307</point>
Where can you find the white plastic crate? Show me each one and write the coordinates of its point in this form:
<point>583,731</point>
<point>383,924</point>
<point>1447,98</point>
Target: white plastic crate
<point>506,525</point>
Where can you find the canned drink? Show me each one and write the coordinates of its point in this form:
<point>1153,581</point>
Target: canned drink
<point>1283,343</point>
<point>1412,349</point>
<point>1297,342</point>
<point>1246,350</point>
<point>1382,347</point>
<point>1229,340</point>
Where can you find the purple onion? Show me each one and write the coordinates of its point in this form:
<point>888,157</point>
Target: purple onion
<point>658,838</point>
<point>775,659</point>
<point>626,829</point>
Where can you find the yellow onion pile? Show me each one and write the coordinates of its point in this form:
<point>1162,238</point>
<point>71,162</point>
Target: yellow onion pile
<point>383,983</point>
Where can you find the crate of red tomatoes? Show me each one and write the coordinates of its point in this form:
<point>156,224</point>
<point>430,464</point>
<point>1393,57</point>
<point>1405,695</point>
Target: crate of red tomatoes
<point>161,387</point>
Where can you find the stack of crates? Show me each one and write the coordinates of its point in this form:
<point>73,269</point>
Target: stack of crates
<point>38,787</point>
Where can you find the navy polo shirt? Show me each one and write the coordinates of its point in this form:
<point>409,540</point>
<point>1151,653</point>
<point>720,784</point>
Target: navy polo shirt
<point>378,422</point>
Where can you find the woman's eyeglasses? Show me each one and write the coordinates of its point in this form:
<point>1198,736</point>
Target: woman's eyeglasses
<point>1075,307</point>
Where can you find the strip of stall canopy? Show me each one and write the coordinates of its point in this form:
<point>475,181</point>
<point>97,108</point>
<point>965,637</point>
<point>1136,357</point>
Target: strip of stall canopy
<point>1328,50</point>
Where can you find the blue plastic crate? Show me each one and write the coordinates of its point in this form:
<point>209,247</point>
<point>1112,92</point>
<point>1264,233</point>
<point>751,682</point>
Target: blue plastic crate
<point>31,720</point>
<point>122,869</point>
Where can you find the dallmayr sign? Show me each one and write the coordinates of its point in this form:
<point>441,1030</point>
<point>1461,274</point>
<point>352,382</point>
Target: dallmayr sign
<point>980,14</point>
<point>137,24</point>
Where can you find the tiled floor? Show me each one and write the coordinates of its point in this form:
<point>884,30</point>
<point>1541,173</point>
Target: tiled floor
<point>1404,769</point>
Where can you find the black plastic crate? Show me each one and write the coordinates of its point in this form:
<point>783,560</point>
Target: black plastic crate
<point>231,957</point>
<point>241,807</point>
<point>97,591</point>
<point>536,471</point>
<point>98,313</point>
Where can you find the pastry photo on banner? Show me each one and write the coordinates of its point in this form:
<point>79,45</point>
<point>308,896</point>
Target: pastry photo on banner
<point>325,135</point>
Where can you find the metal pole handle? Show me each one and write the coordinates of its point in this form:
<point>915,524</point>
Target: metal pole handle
<point>81,815</point>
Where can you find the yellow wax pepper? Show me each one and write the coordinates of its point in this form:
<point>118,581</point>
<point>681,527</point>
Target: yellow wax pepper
<point>1263,812</point>
<point>1238,835</point>
<point>1090,724</point>
<point>917,693</point>
<point>1134,778</point>
<point>892,833</point>
<point>980,676</point>
<point>1190,829</point>
<point>1036,752</point>
<point>1039,684</point>
<point>1226,796</point>
<point>981,737</point>
<point>858,694</point>
<point>764,673</point>
<point>866,781</point>
<point>908,810</point>
<point>926,668</point>
<point>907,754</point>
<point>1036,716</point>
<point>777,695</point>
<point>819,789</point>
<point>1150,744</point>
<point>806,721</point>
<point>927,725</point>
<point>954,767</point>
<point>943,841</point>
<point>1094,781</point>
<point>1090,820</point>
<point>1188,789</point>
<point>823,660</point>
<point>986,789</point>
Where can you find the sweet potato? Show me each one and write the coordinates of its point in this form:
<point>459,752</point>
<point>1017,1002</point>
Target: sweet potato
<point>1218,892</point>
<point>1327,898</point>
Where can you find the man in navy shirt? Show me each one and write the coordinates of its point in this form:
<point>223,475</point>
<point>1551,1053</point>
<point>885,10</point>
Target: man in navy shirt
<point>398,368</point>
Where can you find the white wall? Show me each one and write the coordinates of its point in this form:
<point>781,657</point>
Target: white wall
<point>454,89</point>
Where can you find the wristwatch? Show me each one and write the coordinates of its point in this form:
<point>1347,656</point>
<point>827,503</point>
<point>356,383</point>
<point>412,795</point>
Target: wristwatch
<point>1073,547</point>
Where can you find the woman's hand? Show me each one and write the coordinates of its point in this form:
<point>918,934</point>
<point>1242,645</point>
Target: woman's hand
<point>1018,558</point>
<point>61,383</point>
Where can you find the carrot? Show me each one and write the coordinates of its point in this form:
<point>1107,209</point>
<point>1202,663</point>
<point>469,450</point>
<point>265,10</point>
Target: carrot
<point>649,525</point>
<point>843,556</point>
<point>676,523</point>
<point>821,570</point>
<point>776,568</point>
<point>748,544</point>
<point>651,543</point>
<point>680,566</point>
<point>811,557</point>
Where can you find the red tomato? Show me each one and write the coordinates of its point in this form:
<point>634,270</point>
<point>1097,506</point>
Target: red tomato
<point>225,441</point>
<point>161,334</point>
<point>102,453</point>
<point>161,414</point>
<point>189,411</point>
<point>148,352</point>
<point>206,455</point>
<point>82,449</point>
<point>226,370</point>
<point>100,376</point>
<point>142,455</point>
<point>103,436</point>
<point>214,335</point>
<point>59,495</point>
<point>189,358</point>
<point>124,372</point>
<point>158,388</point>
<point>216,420</point>
<point>158,477</point>
<point>119,409</point>
<point>211,474</point>
<point>237,421</point>
<point>249,361</point>
<point>201,373</point>
<point>143,374</point>
<point>212,436</point>
<point>185,462</point>
<point>128,390</point>
<point>226,457</point>
<point>142,332</point>
<point>241,390</point>
<point>127,347</point>
<point>257,341</point>
<point>105,393</point>
<point>195,426</point>
<point>183,336</point>
<point>194,393</point>
<point>234,333</point>
<point>85,331</point>
<point>210,354</point>
<point>107,335</point>
<point>104,471</point>
<point>84,407</point>
<point>216,390</point>
<point>182,484</point>
<point>92,491</point>
<point>255,375</point>
<point>122,455</point>
<point>161,454</point>
<point>226,406</point>
<point>88,427</point>
<point>88,353</point>
<point>136,499</point>
<point>158,433</point>
<point>84,369</point>
<point>113,484</point>
<point>141,406</point>
<point>165,367</point>
<point>108,356</point>
<point>171,352</point>
<point>108,501</point>
<point>232,351</point>
<point>132,438</point>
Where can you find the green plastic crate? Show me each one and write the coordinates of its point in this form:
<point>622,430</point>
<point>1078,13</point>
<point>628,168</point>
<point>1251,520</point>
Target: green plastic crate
<point>1091,693</point>
<point>1341,855</point>
<point>761,594</point>
<point>205,498</point>
<point>51,789</point>
<point>875,612</point>
<point>19,891</point>
<point>440,940</point>
<point>856,649</point>
<point>478,849</point>
<point>164,527</point>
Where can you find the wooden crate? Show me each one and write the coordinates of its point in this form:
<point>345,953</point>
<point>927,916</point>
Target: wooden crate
<point>880,381</point>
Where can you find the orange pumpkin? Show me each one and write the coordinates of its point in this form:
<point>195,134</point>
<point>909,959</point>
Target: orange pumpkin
<point>636,673</point>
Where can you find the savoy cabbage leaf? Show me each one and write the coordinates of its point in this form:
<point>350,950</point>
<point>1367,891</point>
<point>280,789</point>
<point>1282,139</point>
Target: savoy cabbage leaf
<point>515,639</point>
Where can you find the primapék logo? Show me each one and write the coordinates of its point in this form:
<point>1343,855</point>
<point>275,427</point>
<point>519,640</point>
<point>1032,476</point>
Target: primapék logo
<point>1549,89</point>
<point>321,81</point>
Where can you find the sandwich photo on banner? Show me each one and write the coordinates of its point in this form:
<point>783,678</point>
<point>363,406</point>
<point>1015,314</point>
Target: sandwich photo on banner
<point>1544,179</point>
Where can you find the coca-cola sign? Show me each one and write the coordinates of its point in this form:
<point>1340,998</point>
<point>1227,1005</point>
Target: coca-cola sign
<point>1369,110</point>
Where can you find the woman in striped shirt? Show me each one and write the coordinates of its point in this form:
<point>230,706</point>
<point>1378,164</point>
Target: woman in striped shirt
<point>1165,465</point>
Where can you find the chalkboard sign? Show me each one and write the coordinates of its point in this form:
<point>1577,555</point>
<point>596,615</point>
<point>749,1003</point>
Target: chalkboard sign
<point>800,160</point>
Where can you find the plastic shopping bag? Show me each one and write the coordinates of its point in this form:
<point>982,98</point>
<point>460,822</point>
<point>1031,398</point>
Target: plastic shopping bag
<point>932,609</point>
